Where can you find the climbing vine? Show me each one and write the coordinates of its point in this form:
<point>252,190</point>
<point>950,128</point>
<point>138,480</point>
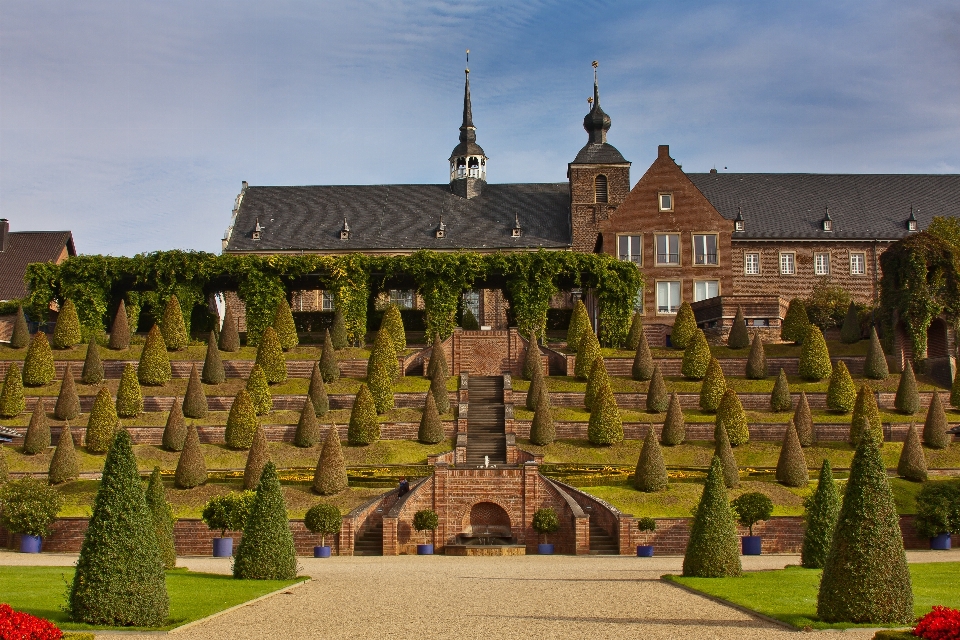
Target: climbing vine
<point>441,279</point>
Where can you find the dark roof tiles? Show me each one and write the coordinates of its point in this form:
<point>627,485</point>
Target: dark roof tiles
<point>24,247</point>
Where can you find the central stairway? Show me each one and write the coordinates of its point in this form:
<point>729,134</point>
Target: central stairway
<point>485,421</point>
<point>601,542</point>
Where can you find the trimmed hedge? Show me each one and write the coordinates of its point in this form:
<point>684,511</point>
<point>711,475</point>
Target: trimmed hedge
<point>92,372</point>
<point>908,398</point>
<point>533,391</point>
<point>674,430</point>
<point>317,392</point>
<point>587,353</point>
<point>68,402</point>
<point>191,467</point>
<point>162,516</point>
<point>713,387</point>
<point>364,426</point>
<point>338,332</point>
<point>257,457</point>
<point>154,367</point>
<point>796,323</point>
<point>739,338</point>
<point>815,362</point>
<point>129,394</point>
<point>723,452</point>
<point>935,426</point>
<point>195,399</point>
<point>850,331</point>
<point>259,390</point>
<point>38,367</point>
<point>392,322</point>
<point>792,465</point>
<point>330,476</point>
<point>606,425</point>
<point>757,360</point>
<point>542,431</point>
<point>713,550</point>
<point>12,402</point>
<point>598,377</point>
<point>65,464</point>
<point>842,392</point>
<point>329,368</point>
<point>731,415</point>
<point>270,357</point>
<point>696,357</point>
<point>382,370</point>
<point>642,361</point>
<point>469,321</point>
<point>102,423</point>
<point>4,471</point>
<point>657,398</point>
<point>751,508</point>
<point>37,438</point>
<point>324,519</point>
<point>636,330</point>
<point>175,430</point>
<point>651,472</point>
<point>438,389</point>
<point>66,332</point>
<point>866,417</point>
<point>266,549</point>
<point>213,372</point>
<point>532,358</point>
<point>912,464</point>
<point>120,329</point>
<point>172,326</point>
<point>803,421</point>
<point>822,510</point>
<point>938,509</point>
<point>308,429</point>
<point>242,422</point>
<point>955,390</point>
<point>579,326</point>
<point>284,326</point>
<point>431,428</point>
<point>229,331</point>
<point>684,327</point>
<point>780,399</point>
<point>875,366</point>
<point>20,337</point>
<point>437,359</point>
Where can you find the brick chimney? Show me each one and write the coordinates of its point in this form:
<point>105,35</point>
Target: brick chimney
<point>4,232</point>
<point>663,151</point>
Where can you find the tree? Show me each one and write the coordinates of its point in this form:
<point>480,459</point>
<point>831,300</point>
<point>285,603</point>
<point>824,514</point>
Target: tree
<point>270,357</point>
<point>257,457</point>
<point>533,358</point>
<point>92,372</point>
<point>545,521</point>
<point>154,367</point>
<point>866,417</point>
<point>907,399</point>
<point>227,512</point>
<point>713,549</point>
<point>731,415</point>
<point>636,330</point>
<point>392,323</point>
<point>330,476</point>
<point>38,367</point>
<point>364,426</point>
<point>431,428</point>
<point>469,322</point>
<point>850,331</point>
<point>955,390</point>
<point>324,519</point>
<point>266,549</point>
<point>37,437</point>
<point>796,324</point>
<point>437,359</point>
<point>213,372</point>
<point>587,353</point>
<point>579,326</point>
<point>259,390</point>
<point>329,368</point>
<point>338,332</point>
<point>713,387</point>
<point>822,510</point>
<point>382,371</point>
<point>20,336</point>
<point>65,465</point>
<point>162,516</point>
<point>657,399</point>
<point>195,400</point>
<point>427,520</point>
<point>841,393</point>
<point>738,338</point>
<point>651,472</point>
<point>172,326</point>
<point>119,580</point>
<point>191,468</point>
<point>27,506</point>
<point>875,365</point>
<point>120,329</point>
<point>438,389</point>
<point>175,430</point>
<point>792,465</point>
<point>935,426</point>
<point>68,402</point>
<point>642,361</point>
<point>102,423</point>
<point>723,452</point>
<point>317,392</point>
<point>865,577</point>
<point>229,331</point>
<point>696,357</point>
<point>12,402</point>
<point>129,394</point>
<point>606,425</point>
<point>803,421</point>
<point>780,399</point>
<point>598,377</point>
<point>284,325</point>
<point>674,430</point>
<point>757,360</point>
<point>542,430</point>
<point>684,327</point>
<point>751,508</point>
<point>814,356</point>
<point>912,464</point>
<point>66,332</point>
<point>308,429</point>
<point>242,422</point>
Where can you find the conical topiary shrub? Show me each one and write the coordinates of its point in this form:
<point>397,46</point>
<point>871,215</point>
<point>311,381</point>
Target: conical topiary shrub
<point>587,354</point>
<point>696,357</point>
<point>723,452</point>
<point>912,464</point>
<point>213,372</point>
<point>68,402</point>
<point>92,372</point>
<point>757,360</point>
<point>865,578</point>
<point>259,390</point>
<point>803,421</point>
<point>792,465</point>
<point>270,357</point>
<point>266,549</point>
<point>317,392</point>
<point>338,331</point>
<point>814,356</point>
<point>120,329</point>
<point>284,325</point>
<point>935,426</point>
<point>674,430</point>
<point>257,457</point>
<point>102,423</point>
<point>229,331</point>
<point>955,390</point>
<point>598,377</point>
<point>738,338</point>
<point>38,367</point>
<point>713,387</point>
<point>438,389</point>
<point>382,371</point>
<point>242,422</point>
<point>364,426</point>
<point>154,367</point>
<point>173,327</point>
<point>542,430</point>
<point>866,417</point>
<point>4,470</point>
<point>175,430</point>
<point>129,394</point>
<point>636,330</point>
<point>119,580</point>
<point>642,361</point>
<point>66,332</point>
<point>392,323</point>
<point>579,326</point>
<point>431,428</point>
<point>875,366</point>
<point>37,438</point>
<point>606,425</point>
<point>329,368</point>
<point>330,476</point>
<point>657,398</point>
<point>437,359</point>
<point>191,468</point>
<point>20,336</point>
<point>12,402</point>
<point>713,550</point>
<point>780,399</point>
<point>850,331</point>
<point>64,465</point>
<point>469,321</point>
<point>796,323</point>
<point>533,391</point>
<point>162,515</point>
<point>308,429</point>
<point>533,358</point>
<point>651,472</point>
<point>195,399</point>
<point>684,327</point>
<point>907,399</point>
<point>731,415</point>
<point>841,393</point>
<point>823,508</point>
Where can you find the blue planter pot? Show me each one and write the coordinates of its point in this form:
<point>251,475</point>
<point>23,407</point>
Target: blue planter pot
<point>940,542</point>
<point>424,549</point>
<point>545,549</point>
<point>645,551</point>
<point>222,547</point>
<point>750,545</point>
<point>321,552</point>
<point>30,544</point>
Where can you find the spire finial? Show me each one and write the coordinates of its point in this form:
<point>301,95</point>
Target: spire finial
<point>596,85</point>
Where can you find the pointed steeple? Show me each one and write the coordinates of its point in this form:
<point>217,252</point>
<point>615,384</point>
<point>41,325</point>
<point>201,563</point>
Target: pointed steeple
<point>468,132</point>
<point>597,123</point>
<point>468,162</point>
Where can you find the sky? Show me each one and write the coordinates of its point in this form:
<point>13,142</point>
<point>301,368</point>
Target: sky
<point>133,123</point>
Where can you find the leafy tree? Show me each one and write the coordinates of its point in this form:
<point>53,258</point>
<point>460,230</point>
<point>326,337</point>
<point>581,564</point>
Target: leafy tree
<point>723,452</point>
<point>636,330</point>
<point>696,357</point>
<point>324,519</point>
<point>259,390</point>
<point>712,549</point>
<point>162,515</point>
<point>545,521</point>
<point>803,421</point>
<point>850,331</point>
<point>66,332</point>
<point>598,377</point>
<point>68,402</point>
<point>469,322</point>
<point>713,387</point>
<point>27,506</point>
<point>38,367</point>
<point>684,327</point>
<point>935,426</point>
<point>533,358</point>
<point>102,423</point>
<point>542,430</point>
<point>866,417</point>
<point>191,468</point>
<point>875,365</point>
<point>195,400</point>
<point>129,394</point>
<point>606,425</point>
<point>284,325</point>
<point>822,510</point>
<point>579,326</point>
<point>780,399</point>
<point>37,437</point>
<point>338,333</point>
<point>907,399</point>
<point>431,428</point>
<point>757,360</point>
<point>738,338</point>
<point>317,392</point>
<point>330,476</point>
<point>308,429</point>
<point>257,457</point>
<point>392,323</point>
<point>427,520</point>
<point>751,508</point>
<point>172,326</point>
<point>227,512</point>
<point>20,337</point>
<point>674,430</point>
<point>120,329</point>
<point>213,372</point>
<point>175,430</point>
<point>12,402</point>
<point>642,361</point>
<point>842,392</point>
<point>437,359</point>
<point>329,368</point>
<point>651,472</point>
<point>792,465</point>
<point>92,372</point>
<point>230,331</point>
<point>955,390</point>
<point>796,324</point>
<point>533,391</point>
<point>382,371</point>
<point>733,418</point>
<point>242,422</point>
<point>266,549</point>
<point>912,464</point>
<point>154,367</point>
<point>657,398</point>
<point>364,426</point>
<point>814,356</point>
<point>438,389</point>
<point>938,509</point>
<point>270,357</point>
<point>65,465</point>
<point>587,353</point>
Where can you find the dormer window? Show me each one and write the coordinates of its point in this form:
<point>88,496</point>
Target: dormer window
<point>912,221</point>
<point>516,232</point>
<point>827,222</point>
<point>257,230</point>
<point>441,230</point>
<point>665,201</point>
<point>738,221</point>
<point>345,230</point>
<point>600,189</point>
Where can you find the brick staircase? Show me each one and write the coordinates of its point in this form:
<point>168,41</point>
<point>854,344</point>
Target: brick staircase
<point>602,543</point>
<point>485,421</point>
<point>370,541</point>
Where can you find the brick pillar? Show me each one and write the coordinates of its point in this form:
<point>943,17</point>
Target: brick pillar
<point>347,537</point>
<point>390,545</point>
<point>582,532</point>
<point>441,483</point>
<point>625,524</point>
<point>531,500</point>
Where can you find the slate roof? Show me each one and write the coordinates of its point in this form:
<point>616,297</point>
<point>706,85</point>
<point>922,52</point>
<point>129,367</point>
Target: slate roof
<point>599,153</point>
<point>862,206</point>
<point>24,247</point>
<point>401,217</point>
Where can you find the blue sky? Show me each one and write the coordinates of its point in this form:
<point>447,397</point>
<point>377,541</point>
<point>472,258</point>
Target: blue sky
<point>133,124</point>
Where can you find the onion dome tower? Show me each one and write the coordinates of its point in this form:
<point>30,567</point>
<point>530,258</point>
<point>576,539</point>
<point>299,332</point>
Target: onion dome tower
<point>468,162</point>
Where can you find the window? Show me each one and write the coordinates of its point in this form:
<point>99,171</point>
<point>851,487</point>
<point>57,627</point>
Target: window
<point>600,188</point>
<point>471,302</point>
<point>638,301</point>
<point>665,201</point>
<point>751,264</point>
<point>668,296</point>
<point>628,248</point>
<point>858,264</point>
<point>705,289</point>
<point>821,264</point>
<point>704,249</point>
<point>326,303</point>
<point>401,299</point>
<point>668,248</point>
<point>788,265</point>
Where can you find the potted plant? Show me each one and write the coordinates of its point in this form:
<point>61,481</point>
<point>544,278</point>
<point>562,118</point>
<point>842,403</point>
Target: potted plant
<point>545,521</point>
<point>29,506</point>
<point>324,519</point>
<point>646,524</point>
<point>226,512</point>
<point>938,513</point>
<point>425,520</point>
<point>751,508</point>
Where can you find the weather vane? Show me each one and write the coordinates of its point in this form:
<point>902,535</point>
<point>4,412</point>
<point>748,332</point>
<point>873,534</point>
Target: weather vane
<point>468,60</point>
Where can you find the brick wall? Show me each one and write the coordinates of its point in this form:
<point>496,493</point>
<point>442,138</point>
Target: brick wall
<point>585,212</point>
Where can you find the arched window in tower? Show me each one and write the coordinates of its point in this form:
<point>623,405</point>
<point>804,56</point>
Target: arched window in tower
<point>600,188</point>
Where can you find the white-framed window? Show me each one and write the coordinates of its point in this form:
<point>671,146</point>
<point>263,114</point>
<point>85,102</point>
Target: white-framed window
<point>326,301</point>
<point>705,289</point>
<point>401,298</point>
<point>638,301</point>
<point>858,264</point>
<point>471,302</point>
<point>665,201</point>
<point>788,263</point>
<point>821,264</point>
<point>751,264</point>
<point>704,248</point>
<point>668,248</point>
<point>668,296</point>
<point>629,249</point>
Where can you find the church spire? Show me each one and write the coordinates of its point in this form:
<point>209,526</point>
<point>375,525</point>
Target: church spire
<point>596,123</point>
<point>468,162</point>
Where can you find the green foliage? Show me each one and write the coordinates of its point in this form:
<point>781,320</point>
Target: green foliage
<point>338,333</point>
<point>28,506</point>
<point>636,330</point>
<point>796,324</point>
<point>257,457</point>
<point>4,471</point>
<point>814,356</point>
<point>65,465</point>
<point>92,372</point>
<point>329,368</point>
<point>866,417</point>
<point>657,398</point>
<point>606,425</point>
<point>66,332</point>
<point>912,464</point>
<point>270,357</point>
<point>545,521</point>
<point>317,392</point>
<point>587,353</point>
<point>642,360</point>
<point>227,512</point>
<point>284,326</point>
<point>175,430</point>
<point>822,510</point>
<point>542,430</point>
<point>780,399</point>
<point>11,397</point>
<point>651,472</point>
<point>364,427</point>
<point>850,332</point>
<point>323,519</point>
<point>713,387</point>
<point>102,423</point>
<point>437,359</point>
<point>938,509</point>
<point>382,370</point>
<point>330,476</point>
<point>438,389</point>
<point>723,452</point>
<point>38,367</point>
<point>803,421</point>
<point>598,377</point>
<point>37,438</point>
<point>242,422</point>
<point>712,549</point>
<point>427,520</point>
<point>431,428</point>
<point>154,367</point>
<point>191,468</point>
<point>908,398</point>
<point>865,578</point>
<point>646,524</point>
<point>308,429</point>
<point>68,402</point>
<point>195,399</point>
<point>162,515</point>
<point>842,392</point>
<point>533,391</point>
<point>696,357</point>
<point>129,394</point>
<point>751,508</point>
<point>792,465</point>
<point>935,426</point>
<point>392,323</point>
<point>684,327</point>
<point>579,326</point>
<point>120,329</point>
<point>757,360</point>
<point>172,326</point>
<point>213,372</point>
<point>827,304</point>
<point>20,337</point>
<point>119,579</point>
<point>732,417</point>
<point>532,358</point>
<point>469,321</point>
<point>674,425</point>
<point>875,365</point>
<point>229,331</point>
<point>738,338</point>
<point>259,390</point>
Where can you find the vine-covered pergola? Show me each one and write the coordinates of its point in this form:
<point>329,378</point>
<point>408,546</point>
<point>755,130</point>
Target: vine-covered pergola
<point>97,283</point>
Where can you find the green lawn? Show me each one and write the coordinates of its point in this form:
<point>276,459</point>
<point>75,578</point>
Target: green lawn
<point>790,594</point>
<point>40,591</point>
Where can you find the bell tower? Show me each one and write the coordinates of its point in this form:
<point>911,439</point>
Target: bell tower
<point>468,162</point>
